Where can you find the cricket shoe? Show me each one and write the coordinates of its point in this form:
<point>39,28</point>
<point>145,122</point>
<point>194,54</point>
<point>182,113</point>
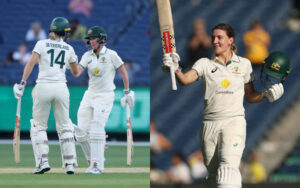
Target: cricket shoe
<point>94,169</point>
<point>43,167</point>
<point>70,169</point>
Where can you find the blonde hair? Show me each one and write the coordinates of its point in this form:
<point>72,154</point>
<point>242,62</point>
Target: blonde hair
<point>54,36</point>
<point>234,48</point>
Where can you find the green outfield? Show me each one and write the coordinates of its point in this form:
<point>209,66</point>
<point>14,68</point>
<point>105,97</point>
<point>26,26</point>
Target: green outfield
<point>117,173</point>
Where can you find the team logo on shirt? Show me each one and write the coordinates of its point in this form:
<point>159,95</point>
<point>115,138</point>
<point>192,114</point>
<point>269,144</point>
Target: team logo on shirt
<point>96,70</point>
<point>235,70</point>
<point>225,83</point>
<point>103,60</point>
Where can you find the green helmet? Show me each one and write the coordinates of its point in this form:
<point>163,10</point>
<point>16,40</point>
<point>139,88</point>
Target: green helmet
<point>277,65</point>
<point>97,31</point>
<point>60,26</point>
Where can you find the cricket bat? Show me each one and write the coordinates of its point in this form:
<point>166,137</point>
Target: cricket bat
<point>129,136</point>
<point>16,138</point>
<point>167,32</point>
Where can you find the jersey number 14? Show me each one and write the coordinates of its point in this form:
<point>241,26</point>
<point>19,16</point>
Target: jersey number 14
<point>60,59</point>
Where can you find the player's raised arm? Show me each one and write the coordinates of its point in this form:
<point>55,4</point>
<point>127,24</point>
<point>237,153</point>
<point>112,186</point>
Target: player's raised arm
<point>172,59</point>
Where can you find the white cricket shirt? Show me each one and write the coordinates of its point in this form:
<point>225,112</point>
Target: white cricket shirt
<point>224,86</point>
<point>101,69</point>
<point>55,57</point>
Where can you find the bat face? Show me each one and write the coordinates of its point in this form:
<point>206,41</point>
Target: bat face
<point>166,25</point>
<point>168,40</point>
<point>16,138</point>
<point>129,136</point>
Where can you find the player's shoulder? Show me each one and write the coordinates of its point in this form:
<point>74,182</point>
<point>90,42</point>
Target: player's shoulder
<point>203,60</point>
<point>87,53</point>
<point>242,59</point>
<point>43,41</point>
<point>110,51</point>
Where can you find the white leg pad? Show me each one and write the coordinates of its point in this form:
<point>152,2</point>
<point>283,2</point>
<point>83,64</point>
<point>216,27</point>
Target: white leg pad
<point>67,146</point>
<point>97,140</point>
<point>228,177</point>
<point>40,145</point>
<point>83,139</point>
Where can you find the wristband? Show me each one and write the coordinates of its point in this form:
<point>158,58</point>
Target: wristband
<point>178,70</point>
<point>263,94</point>
<point>126,91</point>
<point>23,82</point>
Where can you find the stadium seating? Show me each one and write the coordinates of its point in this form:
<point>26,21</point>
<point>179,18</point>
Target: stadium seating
<point>181,111</point>
<point>290,168</point>
<point>126,21</point>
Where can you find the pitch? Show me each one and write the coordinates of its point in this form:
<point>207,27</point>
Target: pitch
<point>117,173</point>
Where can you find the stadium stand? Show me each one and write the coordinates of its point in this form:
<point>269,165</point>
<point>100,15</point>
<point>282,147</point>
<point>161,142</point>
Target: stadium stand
<point>290,168</point>
<point>126,21</point>
<point>181,111</point>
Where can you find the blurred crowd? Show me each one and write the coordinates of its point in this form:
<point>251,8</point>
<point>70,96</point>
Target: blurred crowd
<point>185,169</point>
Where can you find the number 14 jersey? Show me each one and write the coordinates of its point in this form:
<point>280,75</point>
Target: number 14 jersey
<point>55,57</point>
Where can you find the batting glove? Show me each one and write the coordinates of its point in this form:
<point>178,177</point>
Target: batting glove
<point>128,98</point>
<point>170,59</point>
<point>274,92</point>
<point>19,89</point>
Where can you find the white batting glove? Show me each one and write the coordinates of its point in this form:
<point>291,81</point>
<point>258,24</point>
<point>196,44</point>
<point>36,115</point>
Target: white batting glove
<point>170,59</point>
<point>19,89</point>
<point>128,98</point>
<point>274,92</point>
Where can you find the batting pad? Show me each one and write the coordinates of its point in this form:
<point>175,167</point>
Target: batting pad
<point>82,137</point>
<point>67,146</point>
<point>40,145</point>
<point>228,177</point>
<point>97,140</point>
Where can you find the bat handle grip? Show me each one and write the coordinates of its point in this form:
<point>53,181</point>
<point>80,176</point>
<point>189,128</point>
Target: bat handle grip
<point>172,72</point>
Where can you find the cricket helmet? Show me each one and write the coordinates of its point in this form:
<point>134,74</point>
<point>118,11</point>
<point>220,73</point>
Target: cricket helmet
<point>60,26</point>
<point>277,65</point>
<point>97,31</point>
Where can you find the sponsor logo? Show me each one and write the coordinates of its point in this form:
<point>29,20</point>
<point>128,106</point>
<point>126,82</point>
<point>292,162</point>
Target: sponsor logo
<point>224,92</point>
<point>235,144</point>
<point>214,69</point>
<point>275,66</point>
<point>90,31</point>
<point>96,70</point>
<point>225,83</point>
<point>90,61</point>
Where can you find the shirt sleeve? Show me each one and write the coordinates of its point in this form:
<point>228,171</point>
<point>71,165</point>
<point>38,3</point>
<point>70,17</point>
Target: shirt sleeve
<point>116,60</point>
<point>84,61</point>
<point>199,66</point>
<point>73,56</point>
<point>38,48</point>
<point>248,77</point>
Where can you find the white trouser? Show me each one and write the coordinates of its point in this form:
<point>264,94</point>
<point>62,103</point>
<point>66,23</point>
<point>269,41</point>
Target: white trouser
<point>56,94</point>
<point>94,107</point>
<point>46,94</point>
<point>223,143</point>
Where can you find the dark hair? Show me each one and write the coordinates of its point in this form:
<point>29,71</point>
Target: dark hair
<point>229,31</point>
